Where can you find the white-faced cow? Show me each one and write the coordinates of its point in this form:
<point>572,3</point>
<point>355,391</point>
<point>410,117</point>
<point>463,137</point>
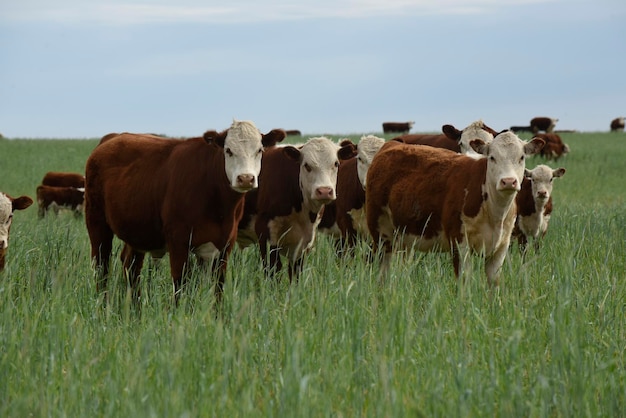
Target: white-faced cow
<point>57,198</point>
<point>166,195</point>
<point>617,124</point>
<point>8,205</point>
<point>542,124</point>
<point>63,179</point>
<point>534,205</point>
<point>397,127</point>
<point>283,214</point>
<point>439,200</point>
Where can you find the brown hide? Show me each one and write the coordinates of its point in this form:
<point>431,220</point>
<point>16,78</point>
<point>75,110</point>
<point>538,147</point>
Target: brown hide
<point>554,147</point>
<point>432,140</point>
<point>62,179</point>
<point>541,123</point>
<point>391,127</point>
<point>69,197</point>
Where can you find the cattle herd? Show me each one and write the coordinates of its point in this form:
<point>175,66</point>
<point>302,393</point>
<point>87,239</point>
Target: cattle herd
<point>462,191</point>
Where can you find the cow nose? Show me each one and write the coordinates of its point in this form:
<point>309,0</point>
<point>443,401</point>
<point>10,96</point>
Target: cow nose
<point>245,181</point>
<point>542,195</point>
<point>508,183</point>
<point>3,244</point>
<point>324,193</point>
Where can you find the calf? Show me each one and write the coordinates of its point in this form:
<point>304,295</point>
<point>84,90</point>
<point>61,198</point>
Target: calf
<point>397,127</point>
<point>439,200</point>
<point>554,148</point>
<point>534,205</point>
<point>62,179</point>
<point>283,214</point>
<point>56,198</point>
<point>167,195</point>
<point>8,205</point>
<point>617,124</point>
<point>542,123</point>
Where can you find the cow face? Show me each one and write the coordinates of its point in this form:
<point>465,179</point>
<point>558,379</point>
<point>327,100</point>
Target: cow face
<point>242,152</point>
<point>475,130</point>
<point>319,161</point>
<point>366,150</point>
<point>506,158</point>
<point>541,179</point>
<point>7,206</point>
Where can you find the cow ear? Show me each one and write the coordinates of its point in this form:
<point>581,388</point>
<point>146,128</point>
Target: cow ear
<point>534,146</point>
<point>451,132</point>
<point>348,150</point>
<point>213,137</point>
<point>479,146</point>
<point>292,152</point>
<point>22,202</point>
<point>273,137</point>
<point>527,173</point>
<point>558,172</point>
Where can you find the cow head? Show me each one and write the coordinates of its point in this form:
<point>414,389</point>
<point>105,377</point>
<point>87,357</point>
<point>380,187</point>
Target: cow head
<point>319,161</point>
<point>506,158</point>
<point>475,130</point>
<point>366,150</point>
<point>541,179</point>
<point>7,206</point>
<point>243,147</point>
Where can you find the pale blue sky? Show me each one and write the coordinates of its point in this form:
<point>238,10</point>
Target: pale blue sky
<point>83,68</point>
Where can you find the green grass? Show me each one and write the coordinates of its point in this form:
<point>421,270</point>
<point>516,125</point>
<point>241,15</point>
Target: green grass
<point>549,342</point>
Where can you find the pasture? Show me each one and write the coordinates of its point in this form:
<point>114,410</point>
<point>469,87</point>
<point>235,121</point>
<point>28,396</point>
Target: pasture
<point>550,341</point>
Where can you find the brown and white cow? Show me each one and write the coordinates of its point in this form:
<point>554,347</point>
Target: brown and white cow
<point>284,213</point>
<point>554,148</point>
<point>542,123</point>
<point>57,198</point>
<point>63,179</point>
<point>397,127</point>
<point>439,200</point>
<point>534,204</point>
<point>166,195</point>
<point>617,124</point>
<point>8,205</point>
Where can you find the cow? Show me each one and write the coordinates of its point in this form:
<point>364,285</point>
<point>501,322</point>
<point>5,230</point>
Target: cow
<point>293,132</point>
<point>345,217</point>
<point>8,205</point>
<point>517,129</point>
<point>439,200</point>
<point>534,205</point>
<point>397,127</point>
<point>542,123</point>
<point>283,214</point>
<point>178,196</point>
<point>554,148</point>
<point>56,198</point>
<point>617,124</point>
<point>63,179</point>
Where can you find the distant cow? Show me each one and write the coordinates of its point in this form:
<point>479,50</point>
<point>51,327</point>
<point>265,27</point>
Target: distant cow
<point>167,195</point>
<point>397,127</point>
<point>617,124</point>
<point>293,132</point>
<point>56,198</point>
<point>542,123</point>
<point>439,200</point>
<point>345,217</point>
<point>534,204</point>
<point>517,129</point>
<point>8,205</point>
<point>283,214</point>
<point>554,148</point>
<point>62,179</point>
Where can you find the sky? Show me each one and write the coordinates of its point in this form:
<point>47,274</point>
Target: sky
<point>84,68</point>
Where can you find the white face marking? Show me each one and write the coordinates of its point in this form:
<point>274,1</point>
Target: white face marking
<point>242,152</point>
<point>506,162</point>
<point>367,148</point>
<point>318,171</point>
<point>473,131</point>
<point>6,217</point>
<point>541,180</point>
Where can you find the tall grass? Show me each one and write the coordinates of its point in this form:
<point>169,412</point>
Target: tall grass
<point>549,342</point>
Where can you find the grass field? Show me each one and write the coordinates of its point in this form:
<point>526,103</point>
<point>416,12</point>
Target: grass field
<point>549,342</point>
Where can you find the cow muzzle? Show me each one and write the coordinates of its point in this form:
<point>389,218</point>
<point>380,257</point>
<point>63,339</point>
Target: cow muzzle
<point>245,182</point>
<point>508,183</point>
<point>324,194</point>
<point>543,195</point>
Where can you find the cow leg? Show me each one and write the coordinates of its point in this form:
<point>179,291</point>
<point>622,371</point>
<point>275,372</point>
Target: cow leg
<point>273,262</point>
<point>522,241</point>
<point>132,261</point>
<point>456,261</point>
<point>295,269</point>
<point>179,262</point>
<point>494,262</point>
<point>101,247</point>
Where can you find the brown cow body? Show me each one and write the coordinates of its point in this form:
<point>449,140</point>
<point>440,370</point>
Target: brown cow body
<point>554,148</point>
<point>439,200</point>
<point>56,198</point>
<point>166,195</point>
<point>397,127</point>
<point>617,124</point>
<point>62,179</point>
<point>8,205</point>
<point>432,140</point>
<point>543,123</point>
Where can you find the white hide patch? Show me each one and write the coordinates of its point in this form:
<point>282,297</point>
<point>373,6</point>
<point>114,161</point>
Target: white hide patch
<point>293,234</point>
<point>474,131</point>
<point>242,152</point>
<point>367,148</point>
<point>207,251</point>
<point>6,217</point>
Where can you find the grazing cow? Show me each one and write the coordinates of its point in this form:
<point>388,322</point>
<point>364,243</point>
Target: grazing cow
<point>167,195</point>
<point>438,200</point>
<point>542,123</point>
<point>517,129</point>
<point>293,132</point>
<point>534,204</point>
<point>56,198</point>
<point>283,214</point>
<point>62,179</point>
<point>8,205</point>
<point>617,124</point>
<point>345,217</point>
<point>397,127</point>
<point>554,148</point>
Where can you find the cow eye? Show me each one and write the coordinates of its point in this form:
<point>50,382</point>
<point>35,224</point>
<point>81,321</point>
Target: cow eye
<point>229,152</point>
<point>336,164</point>
<point>8,221</point>
<point>261,150</point>
<point>492,158</point>
<point>522,158</point>
<point>307,167</point>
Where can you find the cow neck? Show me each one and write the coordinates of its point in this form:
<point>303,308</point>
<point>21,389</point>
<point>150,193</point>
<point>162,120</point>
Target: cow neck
<point>498,204</point>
